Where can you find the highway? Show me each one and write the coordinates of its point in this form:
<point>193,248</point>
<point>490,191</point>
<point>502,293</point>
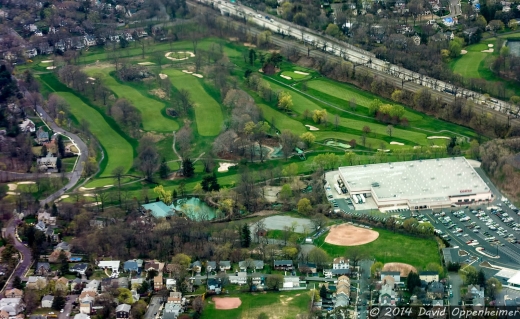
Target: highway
<point>327,47</point>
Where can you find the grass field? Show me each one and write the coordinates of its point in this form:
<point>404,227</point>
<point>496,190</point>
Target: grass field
<point>153,119</point>
<point>295,76</point>
<point>281,305</point>
<point>282,121</point>
<point>208,114</point>
<point>468,64</point>
<point>118,150</point>
<point>391,247</point>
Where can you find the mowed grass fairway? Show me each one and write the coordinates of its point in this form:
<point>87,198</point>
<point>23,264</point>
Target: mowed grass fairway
<point>295,76</point>
<point>282,121</point>
<point>118,151</point>
<point>468,64</point>
<point>281,305</point>
<point>208,114</point>
<point>392,247</point>
<point>153,119</point>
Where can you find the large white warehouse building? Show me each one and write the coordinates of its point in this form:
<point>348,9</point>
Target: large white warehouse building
<point>421,184</point>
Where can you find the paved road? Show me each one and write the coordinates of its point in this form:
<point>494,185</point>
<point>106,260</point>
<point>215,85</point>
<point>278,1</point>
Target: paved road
<point>75,175</point>
<point>26,260</point>
<point>68,307</point>
<point>456,282</point>
<point>153,308</point>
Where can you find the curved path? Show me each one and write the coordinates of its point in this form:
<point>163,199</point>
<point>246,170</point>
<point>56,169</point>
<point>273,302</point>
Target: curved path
<point>25,253</point>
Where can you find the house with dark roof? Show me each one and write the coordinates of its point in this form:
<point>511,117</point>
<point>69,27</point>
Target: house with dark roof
<point>283,264</point>
<point>435,290</point>
<point>307,268</point>
<point>42,136</point>
<point>211,266</point>
<point>214,285</point>
<point>42,269</point>
<point>251,264</point>
<point>79,268</point>
<point>123,311</point>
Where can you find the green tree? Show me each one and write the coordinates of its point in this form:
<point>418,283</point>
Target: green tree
<point>308,138</point>
<point>413,281</point>
<point>323,291</point>
<point>274,282</point>
<point>61,146</point>
<point>373,107</point>
<point>182,259</point>
<point>304,206</point>
<point>17,283</point>
<point>164,169</point>
<point>285,192</point>
<point>493,287</point>
<point>375,268</point>
<point>245,236</point>
<point>58,302</point>
<point>319,257</point>
<point>188,169</point>
<point>332,30</point>
<point>285,101</point>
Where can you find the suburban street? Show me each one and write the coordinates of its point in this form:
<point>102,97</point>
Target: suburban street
<point>25,252</point>
<point>153,308</point>
<point>68,307</point>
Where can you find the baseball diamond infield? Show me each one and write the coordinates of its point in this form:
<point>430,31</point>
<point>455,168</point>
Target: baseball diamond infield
<point>348,235</point>
<point>226,303</point>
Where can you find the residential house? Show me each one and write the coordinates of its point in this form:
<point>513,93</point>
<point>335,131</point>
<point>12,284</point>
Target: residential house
<point>109,264</point>
<point>196,266</point>
<point>130,265</point>
<point>89,40</point>
<point>211,266</point>
<point>224,265</point>
<point>47,162</point>
<point>123,311</point>
<point>435,290</point>
<point>42,269</point>
<point>93,285</point>
<point>342,292</point>
<point>12,306</point>
<point>175,297</point>
<point>396,275</point>
<point>171,311</point>
<point>240,278</point>
<point>214,285</point>
<point>79,268</point>
<point>14,293</point>
<point>87,295</point>
<point>55,256</point>
<point>387,295</point>
<point>283,264</point>
<point>171,284</point>
<point>81,316</point>
<point>98,223</point>
<point>47,301</point>
<point>63,246</point>
<point>46,217</point>
<point>36,282</point>
<point>154,265</point>
<point>307,268</point>
<point>158,282</point>
<point>27,126</point>
<point>135,295</point>
<point>42,136</point>
<point>329,273</point>
<point>477,293</point>
<point>429,276</point>
<point>41,226</point>
<point>254,264</point>
<point>340,263</point>
<point>86,306</point>
<point>62,284</point>
<point>51,146</point>
<point>291,282</point>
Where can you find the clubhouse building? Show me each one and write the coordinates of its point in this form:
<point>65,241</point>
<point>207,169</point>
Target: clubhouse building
<point>421,184</point>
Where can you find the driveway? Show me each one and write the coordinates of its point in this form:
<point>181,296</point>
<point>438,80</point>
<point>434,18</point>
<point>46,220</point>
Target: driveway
<point>68,307</point>
<point>26,261</point>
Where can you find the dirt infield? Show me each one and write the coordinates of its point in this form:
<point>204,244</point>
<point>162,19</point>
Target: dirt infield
<point>404,269</point>
<point>226,303</point>
<point>348,235</point>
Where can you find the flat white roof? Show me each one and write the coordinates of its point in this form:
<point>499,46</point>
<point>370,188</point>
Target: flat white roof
<point>433,179</point>
<point>507,273</point>
<point>515,280</point>
<point>113,264</point>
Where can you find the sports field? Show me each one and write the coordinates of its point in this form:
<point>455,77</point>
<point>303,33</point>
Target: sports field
<point>281,305</point>
<point>208,114</point>
<point>392,247</point>
<point>153,119</point>
<point>118,151</point>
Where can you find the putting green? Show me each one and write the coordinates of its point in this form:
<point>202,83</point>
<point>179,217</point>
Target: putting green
<point>295,76</point>
<point>208,114</point>
<point>153,119</point>
<point>118,151</point>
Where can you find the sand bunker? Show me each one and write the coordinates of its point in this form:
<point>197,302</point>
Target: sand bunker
<point>47,61</point>
<point>463,52</point>
<point>437,137</point>
<point>348,235</point>
<point>91,79</point>
<point>226,303</point>
<point>12,193</point>
<point>51,67</point>
<point>224,167</point>
<point>186,71</point>
<point>92,204</point>
<point>490,45</point>
<point>382,150</point>
<point>488,51</point>
<point>64,196</point>
<point>24,183</point>
<point>286,77</point>
<point>89,195</point>
<point>146,63</point>
<point>312,128</point>
<point>300,72</point>
<point>247,44</point>
<point>187,54</point>
<point>107,186</point>
<point>200,76</point>
<point>81,189</point>
<point>163,76</point>
<point>12,187</point>
<point>396,143</point>
<point>404,269</point>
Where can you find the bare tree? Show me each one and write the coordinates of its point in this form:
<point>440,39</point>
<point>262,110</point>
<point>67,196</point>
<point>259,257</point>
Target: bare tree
<point>118,174</point>
<point>147,157</point>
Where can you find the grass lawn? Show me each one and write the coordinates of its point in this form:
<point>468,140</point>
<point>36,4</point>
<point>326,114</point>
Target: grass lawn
<point>208,114</point>
<point>390,247</point>
<point>285,304</point>
<point>282,121</point>
<point>468,64</point>
<point>153,119</point>
<point>118,150</point>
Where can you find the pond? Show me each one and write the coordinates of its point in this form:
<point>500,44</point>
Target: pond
<point>514,47</point>
<point>192,207</point>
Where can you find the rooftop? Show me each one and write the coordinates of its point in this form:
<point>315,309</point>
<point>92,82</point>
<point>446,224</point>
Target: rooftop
<point>434,179</point>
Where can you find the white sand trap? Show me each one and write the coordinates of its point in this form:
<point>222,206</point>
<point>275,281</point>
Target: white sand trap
<point>25,183</point>
<point>163,76</point>
<point>463,52</point>
<point>286,77</point>
<point>51,67</point>
<point>224,167</point>
<point>64,196</point>
<point>488,51</point>
<point>12,193</point>
<point>200,76</point>
<point>107,186</point>
<point>12,187</point>
<point>89,195</point>
<point>312,128</point>
<point>187,72</point>
<point>380,149</point>
<point>435,146</point>
<point>146,63</point>
<point>490,45</point>
<point>81,189</point>
<point>397,143</point>
<point>300,72</point>
<point>187,53</point>
<point>438,137</point>
<point>92,204</point>
<point>91,79</point>
<point>47,61</point>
